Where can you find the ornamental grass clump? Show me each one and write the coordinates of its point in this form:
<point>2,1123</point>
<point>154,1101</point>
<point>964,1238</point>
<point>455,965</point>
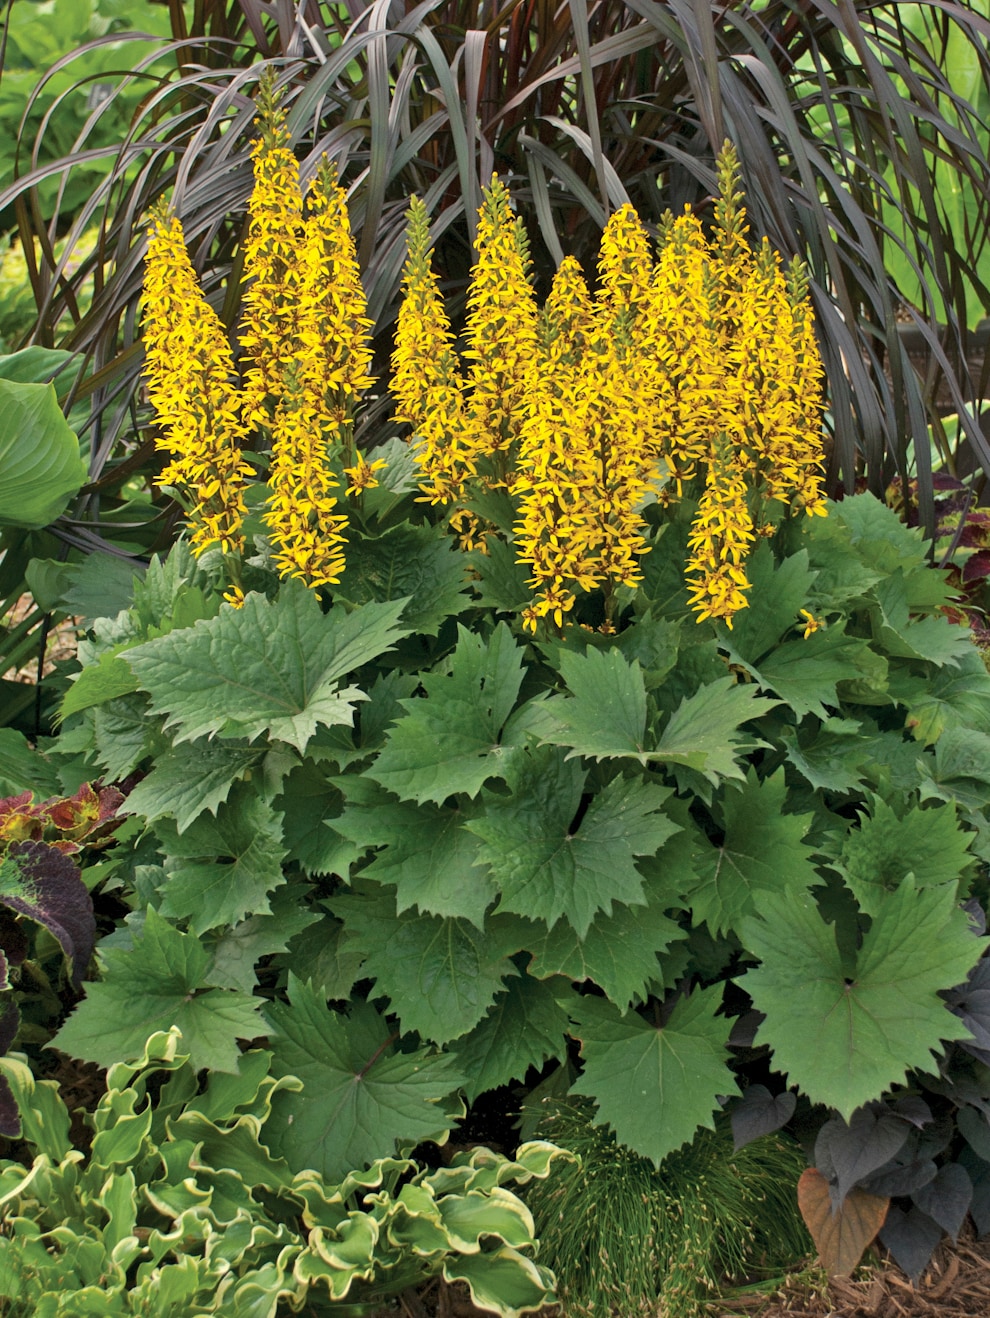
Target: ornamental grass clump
<point>306,355</point>
<point>689,373</point>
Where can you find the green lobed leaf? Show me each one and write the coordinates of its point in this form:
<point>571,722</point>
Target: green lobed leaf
<point>108,678</point>
<point>762,851</point>
<point>779,592</point>
<point>221,870</point>
<point>949,697</point>
<point>846,1032</point>
<point>804,672</point>
<point>40,464</point>
<point>419,564</point>
<point>925,841</point>
<point>238,949</point>
<point>525,1026</point>
<point>448,742</point>
<point>705,731</point>
<point>544,866</point>
<point>310,804</point>
<point>290,658</point>
<point>935,639</point>
<point>961,768</point>
<point>605,714</point>
<point>427,853</point>
<point>189,780</point>
<point>441,975</point>
<point>655,1084</point>
<point>359,1096</point>
<point>23,767</point>
<point>161,982</point>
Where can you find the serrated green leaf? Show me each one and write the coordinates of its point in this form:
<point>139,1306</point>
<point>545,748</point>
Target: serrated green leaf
<point>311,804</point>
<point>779,592</point>
<point>525,1026</point>
<point>961,768</point>
<point>359,1096</point>
<point>191,780</point>
<point>23,767</point>
<point>448,743</point>
<point>427,854</point>
<point>290,658</point>
<point>605,714</point>
<point>925,841</point>
<point>40,464</point>
<point>762,851</point>
<point>832,758</point>
<point>441,975</point>
<point>705,731</point>
<point>858,1029</point>
<point>237,950</point>
<point>163,981</point>
<point>419,564</point>
<point>322,956</point>
<point>935,639</point>
<point>655,1085</point>
<point>945,698</point>
<point>108,678</point>
<point>501,581</point>
<point>804,672</point>
<point>221,870</point>
<point>543,866</point>
<point>124,736</point>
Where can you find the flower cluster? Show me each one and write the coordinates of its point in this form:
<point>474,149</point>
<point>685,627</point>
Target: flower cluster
<point>306,350</point>
<point>691,371</point>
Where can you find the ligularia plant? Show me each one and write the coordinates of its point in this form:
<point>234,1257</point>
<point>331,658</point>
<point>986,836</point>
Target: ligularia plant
<point>697,364</point>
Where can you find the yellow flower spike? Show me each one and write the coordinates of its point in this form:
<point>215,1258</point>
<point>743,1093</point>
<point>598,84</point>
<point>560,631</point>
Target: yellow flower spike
<point>426,379</point>
<point>625,269</point>
<point>567,319</point>
<point>190,370</point>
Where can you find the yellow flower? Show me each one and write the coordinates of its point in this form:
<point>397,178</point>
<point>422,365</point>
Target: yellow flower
<point>190,372</point>
<point>362,475</point>
<point>812,624</point>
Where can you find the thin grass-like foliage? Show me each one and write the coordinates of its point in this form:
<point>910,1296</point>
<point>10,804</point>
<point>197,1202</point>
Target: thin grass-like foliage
<point>838,112</point>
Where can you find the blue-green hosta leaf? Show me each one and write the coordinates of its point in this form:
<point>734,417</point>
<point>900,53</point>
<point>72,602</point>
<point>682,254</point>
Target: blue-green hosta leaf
<point>441,975</point>
<point>525,1026</point>
<point>221,870</point>
<point>359,1096</point>
<point>845,1033</point>
<point>162,981</point>
<point>420,564</point>
<point>544,867</point>
<point>705,731</point>
<point>189,780</point>
<point>762,851</point>
<point>266,668</point>
<point>427,853</point>
<point>779,592</point>
<point>655,1085</point>
<point>448,742</point>
<point>605,714</point>
<point>925,841</point>
<point>40,464</point>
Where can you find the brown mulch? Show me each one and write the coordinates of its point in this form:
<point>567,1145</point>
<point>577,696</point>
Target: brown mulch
<point>59,644</point>
<point>955,1285</point>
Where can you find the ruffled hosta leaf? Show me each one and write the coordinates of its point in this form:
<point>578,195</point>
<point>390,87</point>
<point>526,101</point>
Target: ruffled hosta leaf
<point>40,464</point>
<point>448,742</point>
<point>427,853</point>
<point>222,870</point>
<point>163,981</point>
<point>543,865</point>
<point>441,975</point>
<point>860,1026</point>
<point>271,668</point>
<point>190,780</point>
<point>925,841</point>
<point>762,851</point>
<point>526,1026</point>
<point>359,1096</point>
<point>39,881</point>
<point>705,731</point>
<point>655,1085</point>
<point>502,1280</point>
<point>420,564</point>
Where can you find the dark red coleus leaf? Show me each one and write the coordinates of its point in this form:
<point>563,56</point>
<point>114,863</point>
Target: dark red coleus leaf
<point>38,881</point>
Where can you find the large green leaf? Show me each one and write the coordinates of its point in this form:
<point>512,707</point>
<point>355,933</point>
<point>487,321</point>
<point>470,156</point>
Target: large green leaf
<point>359,1095</point>
<point>847,1031</point>
<point>762,851</point>
<point>272,668</point>
<point>221,870</point>
<point>605,714</point>
<point>40,465</point>
<point>804,672</point>
<point>779,592</point>
<point>441,975</point>
<point>655,1084</point>
<point>420,564</point>
<point>191,779</point>
<point>162,981</point>
<point>948,697</point>
<point>449,741</point>
<point>525,1026</point>
<point>543,864</point>
<point>705,730</point>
